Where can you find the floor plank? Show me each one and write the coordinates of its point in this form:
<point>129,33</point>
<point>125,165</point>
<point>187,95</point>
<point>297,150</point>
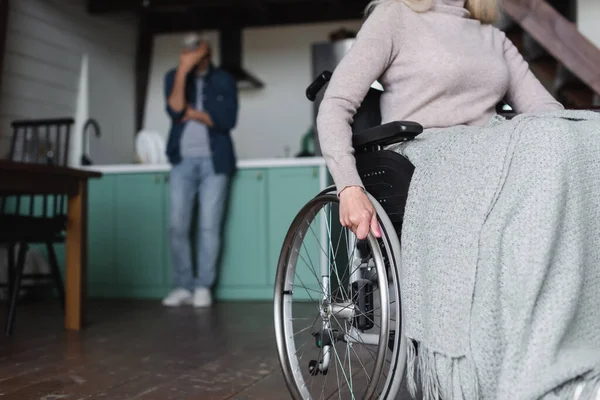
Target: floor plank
<point>140,350</point>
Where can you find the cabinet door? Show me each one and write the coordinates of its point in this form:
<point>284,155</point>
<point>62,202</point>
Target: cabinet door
<point>289,190</point>
<point>167,260</point>
<point>140,233</point>
<point>244,255</point>
<point>102,207</point>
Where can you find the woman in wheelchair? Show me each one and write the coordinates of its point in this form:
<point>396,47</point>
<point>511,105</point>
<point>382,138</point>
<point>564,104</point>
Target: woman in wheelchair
<point>463,263</point>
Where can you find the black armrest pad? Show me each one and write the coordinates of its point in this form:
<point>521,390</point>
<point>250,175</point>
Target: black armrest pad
<point>390,133</point>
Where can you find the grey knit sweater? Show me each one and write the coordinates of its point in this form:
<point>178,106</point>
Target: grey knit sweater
<point>440,68</point>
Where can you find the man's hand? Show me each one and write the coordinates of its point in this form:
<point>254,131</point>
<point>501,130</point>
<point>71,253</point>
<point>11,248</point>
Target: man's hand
<point>189,59</point>
<point>191,114</point>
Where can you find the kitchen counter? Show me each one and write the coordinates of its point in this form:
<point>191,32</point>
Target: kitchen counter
<point>242,164</point>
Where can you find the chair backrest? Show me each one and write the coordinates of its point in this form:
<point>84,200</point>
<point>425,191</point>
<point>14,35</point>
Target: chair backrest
<point>41,141</point>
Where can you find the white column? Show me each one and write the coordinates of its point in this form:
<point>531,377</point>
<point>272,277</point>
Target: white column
<point>81,114</point>
<point>588,22</point>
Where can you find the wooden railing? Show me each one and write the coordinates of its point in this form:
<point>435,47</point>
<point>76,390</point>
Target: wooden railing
<point>560,37</point>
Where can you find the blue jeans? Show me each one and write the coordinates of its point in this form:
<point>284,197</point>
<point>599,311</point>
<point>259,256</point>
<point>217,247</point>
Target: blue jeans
<point>191,177</point>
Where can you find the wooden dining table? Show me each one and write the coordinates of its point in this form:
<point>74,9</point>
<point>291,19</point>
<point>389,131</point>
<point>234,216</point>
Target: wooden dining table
<point>36,179</point>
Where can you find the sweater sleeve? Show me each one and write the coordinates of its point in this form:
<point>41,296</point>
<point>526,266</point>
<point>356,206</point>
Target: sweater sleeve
<point>368,58</point>
<point>525,92</point>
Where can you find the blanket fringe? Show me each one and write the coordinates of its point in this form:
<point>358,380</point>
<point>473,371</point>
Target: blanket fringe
<point>588,389</point>
<point>431,369</point>
<point>411,360</point>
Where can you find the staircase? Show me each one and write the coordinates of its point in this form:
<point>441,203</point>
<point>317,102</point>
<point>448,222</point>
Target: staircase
<point>564,60</point>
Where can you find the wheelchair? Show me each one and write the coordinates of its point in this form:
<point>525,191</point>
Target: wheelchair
<point>337,300</point>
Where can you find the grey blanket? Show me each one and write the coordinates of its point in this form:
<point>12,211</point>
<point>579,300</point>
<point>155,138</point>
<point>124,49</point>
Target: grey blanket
<point>501,258</point>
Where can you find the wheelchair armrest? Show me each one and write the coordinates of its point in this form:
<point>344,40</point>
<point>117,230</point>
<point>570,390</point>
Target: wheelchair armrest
<point>384,135</point>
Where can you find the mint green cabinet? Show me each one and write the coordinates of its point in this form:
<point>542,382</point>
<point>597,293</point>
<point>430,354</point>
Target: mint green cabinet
<point>102,266</point>
<point>289,190</point>
<point>244,260</point>
<point>127,237</point>
<point>263,205</point>
<point>129,240</point>
<point>140,237</point>
<point>285,201</point>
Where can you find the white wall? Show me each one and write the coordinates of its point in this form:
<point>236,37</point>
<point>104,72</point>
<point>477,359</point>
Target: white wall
<point>588,16</point>
<point>272,118</point>
<point>46,40</point>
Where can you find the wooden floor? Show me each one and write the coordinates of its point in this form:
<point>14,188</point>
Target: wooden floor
<point>139,350</point>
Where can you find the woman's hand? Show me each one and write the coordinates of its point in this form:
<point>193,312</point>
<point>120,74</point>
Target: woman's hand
<point>357,213</point>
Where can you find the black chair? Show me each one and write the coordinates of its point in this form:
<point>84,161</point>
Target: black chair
<point>28,219</point>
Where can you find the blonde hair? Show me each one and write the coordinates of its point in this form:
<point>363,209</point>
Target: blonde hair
<point>485,11</point>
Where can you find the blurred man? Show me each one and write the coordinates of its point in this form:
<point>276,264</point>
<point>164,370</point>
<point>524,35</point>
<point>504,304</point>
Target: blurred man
<point>202,102</point>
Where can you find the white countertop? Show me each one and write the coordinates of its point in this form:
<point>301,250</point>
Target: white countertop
<point>242,164</point>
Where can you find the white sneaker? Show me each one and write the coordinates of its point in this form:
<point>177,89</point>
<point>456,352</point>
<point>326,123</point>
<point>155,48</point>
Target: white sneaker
<point>177,298</point>
<point>202,298</point>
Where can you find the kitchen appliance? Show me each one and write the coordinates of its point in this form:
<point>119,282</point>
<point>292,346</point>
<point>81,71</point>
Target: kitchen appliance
<point>325,58</point>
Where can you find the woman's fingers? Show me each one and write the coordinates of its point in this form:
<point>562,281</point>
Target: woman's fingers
<point>375,226</point>
<point>362,230</point>
<point>360,222</point>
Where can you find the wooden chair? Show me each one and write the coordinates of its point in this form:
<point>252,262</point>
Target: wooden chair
<point>28,219</point>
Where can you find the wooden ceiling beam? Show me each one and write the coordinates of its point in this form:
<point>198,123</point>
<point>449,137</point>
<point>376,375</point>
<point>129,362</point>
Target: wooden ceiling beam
<point>207,19</point>
<point>112,6</point>
<point>158,6</point>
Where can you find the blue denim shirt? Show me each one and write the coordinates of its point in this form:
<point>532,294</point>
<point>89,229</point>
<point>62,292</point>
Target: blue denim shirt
<point>221,103</point>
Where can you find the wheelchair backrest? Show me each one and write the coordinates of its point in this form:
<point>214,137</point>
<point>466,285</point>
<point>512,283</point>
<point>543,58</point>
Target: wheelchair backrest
<point>369,113</point>
<point>367,116</point>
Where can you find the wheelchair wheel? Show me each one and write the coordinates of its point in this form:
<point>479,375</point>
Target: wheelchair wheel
<point>338,318</point>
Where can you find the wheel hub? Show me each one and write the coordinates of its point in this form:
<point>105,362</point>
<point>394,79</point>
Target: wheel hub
<point>326,310</point>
